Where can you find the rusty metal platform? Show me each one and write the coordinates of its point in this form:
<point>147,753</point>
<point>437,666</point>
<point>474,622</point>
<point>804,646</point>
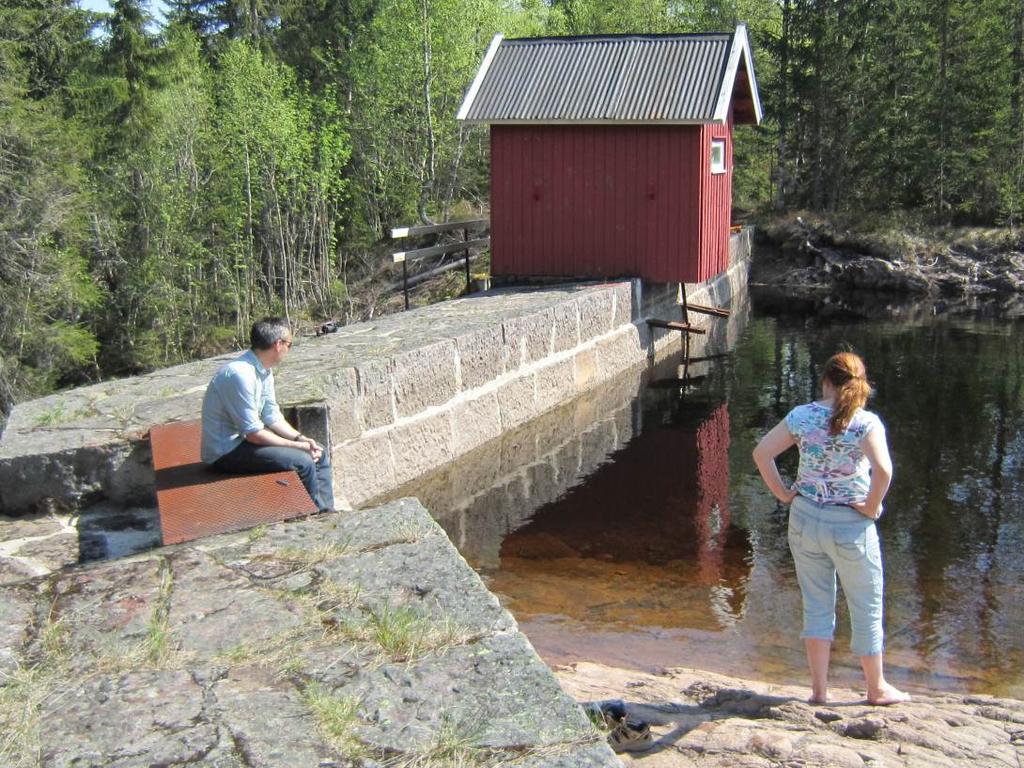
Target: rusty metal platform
<point>195,501</point>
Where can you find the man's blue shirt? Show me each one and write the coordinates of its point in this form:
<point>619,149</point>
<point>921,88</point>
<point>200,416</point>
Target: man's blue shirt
<point>240,399</point>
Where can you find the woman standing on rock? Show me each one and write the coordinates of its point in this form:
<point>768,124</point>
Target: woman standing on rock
<point>843,476</point>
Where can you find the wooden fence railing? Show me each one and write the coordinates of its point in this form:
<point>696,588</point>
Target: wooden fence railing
<point>464,245</point>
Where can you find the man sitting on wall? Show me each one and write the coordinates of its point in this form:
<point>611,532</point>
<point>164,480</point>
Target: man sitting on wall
<point>244,430</point>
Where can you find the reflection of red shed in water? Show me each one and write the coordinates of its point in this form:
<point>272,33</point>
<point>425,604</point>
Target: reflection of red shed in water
<point>611,156</point>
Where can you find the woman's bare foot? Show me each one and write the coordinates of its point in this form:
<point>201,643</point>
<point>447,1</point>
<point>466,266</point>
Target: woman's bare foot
<point>816,700</point>
<point>887,695</point>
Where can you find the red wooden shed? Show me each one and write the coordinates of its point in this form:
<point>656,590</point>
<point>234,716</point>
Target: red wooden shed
<point>611,155</point>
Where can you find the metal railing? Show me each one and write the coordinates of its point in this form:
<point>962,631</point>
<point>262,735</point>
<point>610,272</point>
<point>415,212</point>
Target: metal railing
<point>415,254</point>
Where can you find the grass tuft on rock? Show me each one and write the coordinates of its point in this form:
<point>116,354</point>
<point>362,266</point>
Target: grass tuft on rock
<point>337,717</point>
<point>456,744</point>
<point>402,633</point>
<point>22,696</point>
<point>158,647</point>
<point>308,557</point>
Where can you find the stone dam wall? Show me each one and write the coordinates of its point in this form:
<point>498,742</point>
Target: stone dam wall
<point>360,639</point>
<point>394,398</point>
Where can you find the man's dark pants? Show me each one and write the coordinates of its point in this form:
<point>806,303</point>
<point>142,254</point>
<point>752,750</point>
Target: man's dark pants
<point>316,476</point>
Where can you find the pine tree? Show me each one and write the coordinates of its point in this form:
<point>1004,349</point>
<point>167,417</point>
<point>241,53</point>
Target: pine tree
<point>46,294</point>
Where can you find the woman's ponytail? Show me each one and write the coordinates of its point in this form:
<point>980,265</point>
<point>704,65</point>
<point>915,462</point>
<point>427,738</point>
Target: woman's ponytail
<point>846,373</point>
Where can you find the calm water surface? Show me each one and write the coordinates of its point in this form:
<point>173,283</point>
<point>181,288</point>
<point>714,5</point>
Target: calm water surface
<point>668,551</point>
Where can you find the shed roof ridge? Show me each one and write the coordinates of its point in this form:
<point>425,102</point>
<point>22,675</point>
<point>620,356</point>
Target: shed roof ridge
<point>652,36</point>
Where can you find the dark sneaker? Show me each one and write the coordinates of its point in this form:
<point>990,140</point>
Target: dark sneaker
<point>630,736</point>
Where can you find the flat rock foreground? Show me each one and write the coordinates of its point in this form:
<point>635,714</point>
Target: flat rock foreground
<point>364,639</point>
<point>358,639</point>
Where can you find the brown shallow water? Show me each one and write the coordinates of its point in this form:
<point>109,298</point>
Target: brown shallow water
<point>632,529</point>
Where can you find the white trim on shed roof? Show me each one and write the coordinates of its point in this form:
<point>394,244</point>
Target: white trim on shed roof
<point>612,79</point>
<point>740,50</point>
<point>480,75</point>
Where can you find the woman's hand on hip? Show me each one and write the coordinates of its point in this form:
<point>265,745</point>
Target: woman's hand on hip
<point>872,513</point>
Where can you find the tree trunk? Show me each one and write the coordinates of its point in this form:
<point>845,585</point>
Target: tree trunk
<point>943,105</point>
<point>1017,117</point>
<point>427,180</point>
<point>784,106</point>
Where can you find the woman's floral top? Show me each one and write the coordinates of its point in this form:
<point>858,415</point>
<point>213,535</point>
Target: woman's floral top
<point>833,470</point>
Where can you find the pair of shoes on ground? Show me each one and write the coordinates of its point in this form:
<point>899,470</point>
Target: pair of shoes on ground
<point>625,734</point>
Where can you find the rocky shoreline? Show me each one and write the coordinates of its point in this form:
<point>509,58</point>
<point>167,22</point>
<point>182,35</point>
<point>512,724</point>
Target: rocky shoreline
<point>702,719</point>
<point>807,253</point>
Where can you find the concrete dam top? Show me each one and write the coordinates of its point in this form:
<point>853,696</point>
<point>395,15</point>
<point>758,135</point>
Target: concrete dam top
<point>392,397</point>
<point>367,377</point>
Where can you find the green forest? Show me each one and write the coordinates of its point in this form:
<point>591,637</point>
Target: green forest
<point>167,174</point>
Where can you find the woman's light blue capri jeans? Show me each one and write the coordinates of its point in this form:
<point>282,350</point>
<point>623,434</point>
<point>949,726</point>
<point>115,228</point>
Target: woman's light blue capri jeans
<point>826,539</point>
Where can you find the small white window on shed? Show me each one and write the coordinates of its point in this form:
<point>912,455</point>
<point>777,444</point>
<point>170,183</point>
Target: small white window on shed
<point>718,155</point>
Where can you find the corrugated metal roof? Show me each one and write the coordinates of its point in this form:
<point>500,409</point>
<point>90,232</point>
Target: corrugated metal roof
<point>612,78</point>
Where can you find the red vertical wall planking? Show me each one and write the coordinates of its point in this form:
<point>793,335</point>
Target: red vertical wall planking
<point>609,201</point>
<point>716,202</point>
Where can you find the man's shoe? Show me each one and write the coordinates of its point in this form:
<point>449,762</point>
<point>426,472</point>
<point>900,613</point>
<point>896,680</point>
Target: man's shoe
<point>630,736</point>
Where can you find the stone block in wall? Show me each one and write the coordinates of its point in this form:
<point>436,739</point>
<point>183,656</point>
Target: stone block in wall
<point>619,352</point>
<point>450,518</point>
<point>421,445</point>
<point>701,345</point>
<point>700,293</point>
<point>518,401</point>
<point>597,313</point>
<point>341,397</point>
<point>659,298</point>
<point>567,326</point>
<point>77,476</point>
<point>627,302</point>
<point>363,469</point>
<point>555,384</point>
<point>425,377</point>
<point>475,422</point>
<point>481,356</point>
<point>437,491</point>
<point>585,369</point>
<point>528,338</point>
<point>376,396</point>
<point>312,421</point>
<point>132,480</point>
